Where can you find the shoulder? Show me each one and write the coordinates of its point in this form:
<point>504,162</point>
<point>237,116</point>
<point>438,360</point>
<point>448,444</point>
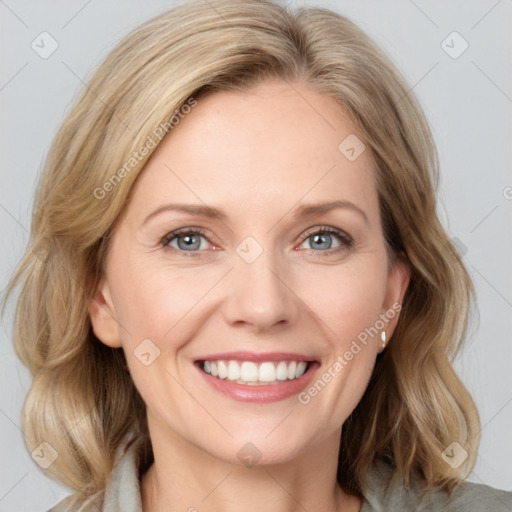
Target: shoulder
<point>77,503</point>
<point>122,493</point>
<point>481,497</point>
<point>386,491</point>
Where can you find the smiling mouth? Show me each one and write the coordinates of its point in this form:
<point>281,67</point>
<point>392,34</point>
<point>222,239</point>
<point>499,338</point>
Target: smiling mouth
<point>250,373</point>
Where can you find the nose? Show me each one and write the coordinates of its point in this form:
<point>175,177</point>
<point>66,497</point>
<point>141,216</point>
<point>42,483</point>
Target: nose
<point>260,295</point>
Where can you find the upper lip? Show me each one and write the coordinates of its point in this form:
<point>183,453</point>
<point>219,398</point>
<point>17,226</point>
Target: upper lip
<point>256,357</point>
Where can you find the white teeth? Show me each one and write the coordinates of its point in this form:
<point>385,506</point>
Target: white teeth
<point>233,370</point>
<point>267,372</point>
<point>282,371</point>
<point>292,370</point>
<point>301,368</point>
<point>222,369</point>
<point>248,372</point>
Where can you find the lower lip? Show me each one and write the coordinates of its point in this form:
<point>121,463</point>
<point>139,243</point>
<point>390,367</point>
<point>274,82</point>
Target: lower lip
<point>261,394</point>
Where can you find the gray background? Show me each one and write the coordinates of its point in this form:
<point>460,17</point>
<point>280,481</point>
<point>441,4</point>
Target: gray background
<point>466,99</point>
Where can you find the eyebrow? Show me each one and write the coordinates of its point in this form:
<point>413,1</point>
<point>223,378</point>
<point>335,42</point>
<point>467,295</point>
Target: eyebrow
<point>303,211</point>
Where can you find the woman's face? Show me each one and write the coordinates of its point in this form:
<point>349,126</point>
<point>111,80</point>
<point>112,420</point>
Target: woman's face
<point>256,278</point>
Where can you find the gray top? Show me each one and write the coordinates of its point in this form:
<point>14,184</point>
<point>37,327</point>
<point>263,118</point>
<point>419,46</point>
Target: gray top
<point>386,494</point>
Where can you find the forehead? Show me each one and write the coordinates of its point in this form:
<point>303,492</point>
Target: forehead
<point>262,149</point>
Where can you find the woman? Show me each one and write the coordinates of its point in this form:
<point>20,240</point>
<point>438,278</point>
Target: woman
<point>238,293</point>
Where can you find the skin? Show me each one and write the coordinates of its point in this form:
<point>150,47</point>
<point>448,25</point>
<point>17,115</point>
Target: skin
<point>256,155</point>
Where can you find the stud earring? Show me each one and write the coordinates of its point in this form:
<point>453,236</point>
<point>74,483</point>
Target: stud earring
<point>383,338</point>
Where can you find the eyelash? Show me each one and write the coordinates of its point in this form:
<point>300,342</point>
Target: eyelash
<point>347,242</point>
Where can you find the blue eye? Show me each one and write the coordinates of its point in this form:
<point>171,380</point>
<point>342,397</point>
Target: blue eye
<point>189,240</point>
<point>322,239</point>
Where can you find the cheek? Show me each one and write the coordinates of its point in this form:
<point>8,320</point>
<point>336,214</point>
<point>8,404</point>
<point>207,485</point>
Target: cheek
<point>347,299</point>
<point>348,303</point>
<point>155,307</point>
<point>152,301</point>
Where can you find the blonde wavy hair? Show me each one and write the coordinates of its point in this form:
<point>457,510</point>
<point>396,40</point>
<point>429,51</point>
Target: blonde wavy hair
<point>82,399</point>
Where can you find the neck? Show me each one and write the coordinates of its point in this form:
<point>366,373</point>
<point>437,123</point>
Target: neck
<point>186,477</point>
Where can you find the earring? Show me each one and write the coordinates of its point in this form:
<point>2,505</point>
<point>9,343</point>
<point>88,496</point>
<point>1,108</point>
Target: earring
<point>383,338</point>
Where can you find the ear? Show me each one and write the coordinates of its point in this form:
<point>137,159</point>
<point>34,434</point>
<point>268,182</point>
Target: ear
<point>398,280</point>
<point>102,314</point>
